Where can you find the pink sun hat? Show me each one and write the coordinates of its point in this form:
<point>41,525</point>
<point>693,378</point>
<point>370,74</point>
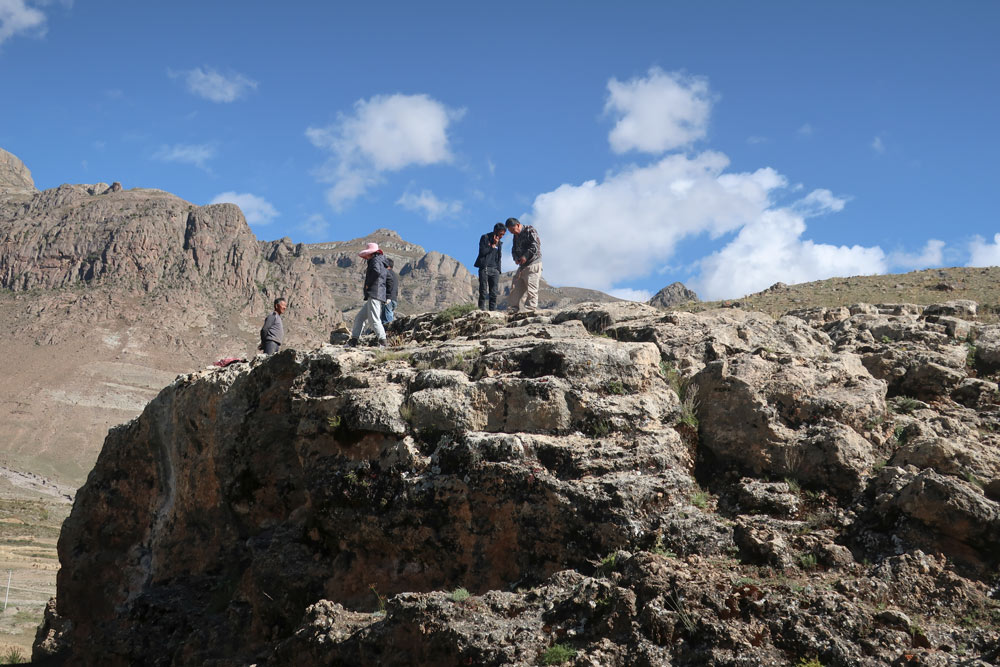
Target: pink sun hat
<point>369,250</point>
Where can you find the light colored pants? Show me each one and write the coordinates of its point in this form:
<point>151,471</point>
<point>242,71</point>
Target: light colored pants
<point>370,314</point>
<point>525,286</point>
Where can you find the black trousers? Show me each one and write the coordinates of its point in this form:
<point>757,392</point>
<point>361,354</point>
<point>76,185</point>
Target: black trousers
<point>270,347</point>
<point>489,285</point>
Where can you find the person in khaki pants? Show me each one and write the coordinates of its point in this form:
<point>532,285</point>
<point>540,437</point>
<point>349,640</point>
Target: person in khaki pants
<point>527,252</point>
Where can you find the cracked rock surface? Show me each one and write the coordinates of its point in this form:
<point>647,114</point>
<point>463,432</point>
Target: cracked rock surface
<point>605,485</point>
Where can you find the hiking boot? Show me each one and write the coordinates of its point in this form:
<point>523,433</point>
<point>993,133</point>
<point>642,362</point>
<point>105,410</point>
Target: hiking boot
<point>381,343</point>
<point>351,343</point>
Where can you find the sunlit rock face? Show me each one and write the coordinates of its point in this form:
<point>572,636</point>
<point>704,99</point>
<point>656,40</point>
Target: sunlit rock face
<point>609,481</point>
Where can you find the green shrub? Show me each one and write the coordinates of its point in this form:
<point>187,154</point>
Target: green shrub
<point>451,312</point>
<point>905,405</point>
<point>660,548</point>
<point>557,654</point>
<point>614,387</point>
<point>607,565</point>
<point>383,357</point>
<point>459,594</point>
<point>699,499</point>
<point>13,656</point>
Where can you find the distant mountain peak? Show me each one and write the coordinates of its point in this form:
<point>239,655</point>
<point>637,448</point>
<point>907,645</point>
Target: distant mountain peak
<point>672,295</point>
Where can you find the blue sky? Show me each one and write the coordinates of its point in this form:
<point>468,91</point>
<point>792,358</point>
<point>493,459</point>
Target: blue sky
<point>727,145</point>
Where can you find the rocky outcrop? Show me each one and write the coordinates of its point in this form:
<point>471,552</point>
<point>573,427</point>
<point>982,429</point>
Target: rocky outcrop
<point>606,482</point>
<point>672,295</point>
<point>15,178</point>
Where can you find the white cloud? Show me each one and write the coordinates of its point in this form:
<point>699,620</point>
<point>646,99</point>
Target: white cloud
<point>213,86</point>
<point>196,154</point>
<point>17,17</point>
<point>771,249</point>
<point>756,140</point>
<point>257,210</point>
<point>931,255</point>
<point>432,207</point>
<point>984,253</point>
<point>600,235</point>
<point>806,130</point>
<point>315,227</point>
<point>385,133</point>
<point>878,146</point>
<point>630,294</point>
<point>661,112</point>
<point>819,202</point>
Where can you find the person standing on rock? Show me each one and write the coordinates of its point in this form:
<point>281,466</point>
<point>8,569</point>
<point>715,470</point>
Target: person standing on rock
<point>488,262</point>
<point>391,293</point>
<point>374,294</point>
<point>527,252</point>
<point>273,331</point>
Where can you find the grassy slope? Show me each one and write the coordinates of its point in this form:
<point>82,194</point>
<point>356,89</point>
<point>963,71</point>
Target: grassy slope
<point>920,287</point>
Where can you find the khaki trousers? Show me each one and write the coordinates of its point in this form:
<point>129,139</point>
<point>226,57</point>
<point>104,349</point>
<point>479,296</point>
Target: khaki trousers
<point>525,286</point>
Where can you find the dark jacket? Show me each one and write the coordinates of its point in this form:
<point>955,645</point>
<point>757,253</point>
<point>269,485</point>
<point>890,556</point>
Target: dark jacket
<point>391,285</point>
<point>527,245</point>
<point>489,258</point>
<point>272,329</point>
<point>374,287</point>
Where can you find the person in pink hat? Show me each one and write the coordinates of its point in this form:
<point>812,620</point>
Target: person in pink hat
<point>374,293</point>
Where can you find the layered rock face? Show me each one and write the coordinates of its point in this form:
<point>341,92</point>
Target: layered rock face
<point>107,293</point>
<point>602,485</point>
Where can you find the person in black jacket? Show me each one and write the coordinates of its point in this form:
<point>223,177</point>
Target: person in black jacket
<point>391,293</point>
<point>374,293</point>
<point>488,263</point>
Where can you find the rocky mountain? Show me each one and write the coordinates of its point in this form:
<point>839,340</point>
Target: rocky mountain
<point>672,295</point>
<point>111,292</point>
<point>606,485</point>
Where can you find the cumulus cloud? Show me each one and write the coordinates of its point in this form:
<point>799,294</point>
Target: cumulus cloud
<point>931,255</point>
<point>213,86</point>
<point>984,253</point>
<point>603,234</point>
<point>659,112</point>
<point>428,203</point>
<point>385,133</point>
<point>599,234</point>
<point>771,249</point>
<point>257,210</point>
<point>17,17</point>
<point>196,154</point>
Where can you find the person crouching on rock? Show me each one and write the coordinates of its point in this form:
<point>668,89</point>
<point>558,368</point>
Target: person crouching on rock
<point>273,332</point>
<point>374,294</point>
